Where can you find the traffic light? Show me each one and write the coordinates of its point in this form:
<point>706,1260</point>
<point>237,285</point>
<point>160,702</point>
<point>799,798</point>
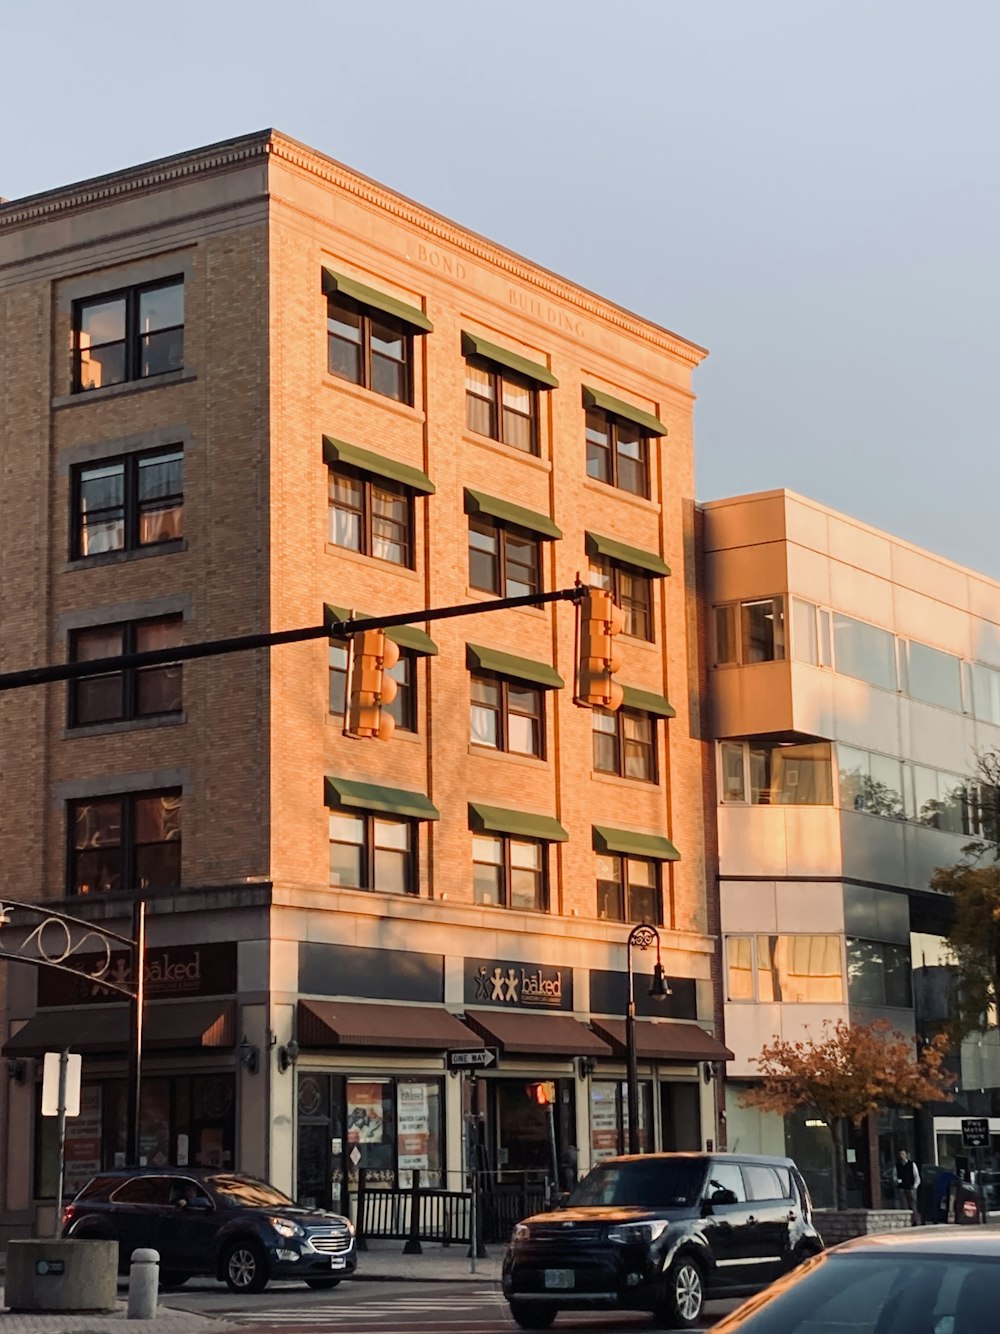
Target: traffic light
<point>600,621</point>
<point>372,656</point>
<point>543,1093</point>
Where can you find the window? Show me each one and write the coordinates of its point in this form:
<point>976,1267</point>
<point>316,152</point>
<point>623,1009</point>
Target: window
<point>143,692</point>
<point>403,708</point>
<point>628,889</point>
<point>502,405</point>
<point>372,852</point>
<point>878,974</point>
<point>128,335</point>
<point>127,503</point>
<point>502,560</point>
<point>625,743</point>
<point>617,452</point>
<point>935,677</point>
<point>509,872</point>
<point>985,693</point>
<point>369,348</point>
<point>793,969</point>
<point>125,842</point>
<point>632,591</point>
<point>777,774</point>
<point>811,636</point>
<point>507,715</point>
<point>940,800</point>
<point>725,1184</point>
<point>864,651</point>
<point>871,783</point>
<point>371,515</point>
<point>761,633</point>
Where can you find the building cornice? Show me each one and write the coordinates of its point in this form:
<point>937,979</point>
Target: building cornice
<point>263,144</point>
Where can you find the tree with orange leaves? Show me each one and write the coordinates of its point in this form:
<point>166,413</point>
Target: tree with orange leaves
<point>853,1069</point>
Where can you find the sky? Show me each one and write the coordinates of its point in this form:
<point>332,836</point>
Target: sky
<point>807,188</point>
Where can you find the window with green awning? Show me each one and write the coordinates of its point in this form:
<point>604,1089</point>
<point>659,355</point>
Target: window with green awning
<point>627,842</point>
<point>353,456</point>
<point>345,793</point>
<point>647,701</point>
<point>617,407</point>
<point>485,819</point>
<point>474,346</point>
<point>406,636</point>
<point>623,554</point>
<point>478,503</point>
<point>339,284</point>
<point>481,659</point>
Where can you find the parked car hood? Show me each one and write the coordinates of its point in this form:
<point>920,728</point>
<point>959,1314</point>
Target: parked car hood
<point>608,1213</point>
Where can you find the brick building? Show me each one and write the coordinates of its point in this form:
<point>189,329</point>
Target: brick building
<point>245,386</point>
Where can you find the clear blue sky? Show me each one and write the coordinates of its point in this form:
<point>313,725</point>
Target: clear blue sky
<point>809,188</point>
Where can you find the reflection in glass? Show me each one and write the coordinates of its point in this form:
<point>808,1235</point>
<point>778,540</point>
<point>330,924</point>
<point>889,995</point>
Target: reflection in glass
<point>935,677</point>
<point>864,651</point>
<point>763,630</point>
<point>790,775</point>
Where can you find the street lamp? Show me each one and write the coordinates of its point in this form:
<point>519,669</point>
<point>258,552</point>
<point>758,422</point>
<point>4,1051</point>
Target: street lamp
<point>642,937</point>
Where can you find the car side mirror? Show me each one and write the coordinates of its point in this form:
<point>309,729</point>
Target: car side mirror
<point>562,1199</point>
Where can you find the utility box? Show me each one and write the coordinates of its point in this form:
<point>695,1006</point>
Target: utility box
<point>61,1275</point>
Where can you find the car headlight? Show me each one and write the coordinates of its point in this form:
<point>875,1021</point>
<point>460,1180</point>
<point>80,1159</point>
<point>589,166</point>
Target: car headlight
<point>521,1232</point>
<point>285,1228</point>
<point>638,1233</point>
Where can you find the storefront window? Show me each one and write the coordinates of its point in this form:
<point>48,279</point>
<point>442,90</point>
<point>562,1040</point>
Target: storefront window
<point>390,1126</point>
<point>609,1118</point>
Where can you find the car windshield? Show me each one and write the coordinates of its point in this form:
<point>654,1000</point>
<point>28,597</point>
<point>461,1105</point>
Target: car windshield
<point>249,1192</point>
<point>884,1293</point>
<point>665,1183</point>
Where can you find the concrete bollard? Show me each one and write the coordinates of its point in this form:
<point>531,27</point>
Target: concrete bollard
<point>143,1284</point>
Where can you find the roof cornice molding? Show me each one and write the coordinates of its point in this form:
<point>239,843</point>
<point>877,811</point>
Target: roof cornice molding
<point>262,144</point>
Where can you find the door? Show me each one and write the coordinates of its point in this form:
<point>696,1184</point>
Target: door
<point>189,1228</point>
<point>727,1227</point>
<point>137,1209</point>
<point>769,1191</point>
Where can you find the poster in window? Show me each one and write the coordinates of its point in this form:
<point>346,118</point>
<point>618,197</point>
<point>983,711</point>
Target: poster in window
<point>413,1126</point>
<point>365,1117</point>
<point>83,1141</point>
<point>603,1121</point>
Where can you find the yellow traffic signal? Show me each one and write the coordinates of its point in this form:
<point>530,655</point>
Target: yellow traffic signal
<point>600,621</point>
<point>372,656</point>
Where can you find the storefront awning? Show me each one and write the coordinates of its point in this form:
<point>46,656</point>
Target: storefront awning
<point>323,1023</point>
<point>105,1028</point>
<point>520,1034</point>
<point>663,1041</point>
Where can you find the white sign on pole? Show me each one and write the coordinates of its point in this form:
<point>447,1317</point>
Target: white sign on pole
<point>50,1084</point>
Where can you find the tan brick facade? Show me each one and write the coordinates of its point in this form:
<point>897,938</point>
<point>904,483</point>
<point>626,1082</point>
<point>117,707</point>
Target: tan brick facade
<point>250,226</point>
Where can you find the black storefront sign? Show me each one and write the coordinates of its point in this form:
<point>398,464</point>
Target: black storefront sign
<point>609,995</point>
<point>353,970</point>
<point>172,971</point>
<point>510,982</point>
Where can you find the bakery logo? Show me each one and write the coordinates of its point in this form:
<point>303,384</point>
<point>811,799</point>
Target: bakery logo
<point>519,986</point>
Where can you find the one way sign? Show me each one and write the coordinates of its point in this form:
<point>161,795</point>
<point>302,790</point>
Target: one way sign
<point>478,1059</point>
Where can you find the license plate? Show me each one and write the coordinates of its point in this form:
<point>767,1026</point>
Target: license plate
<point>559,1278</point>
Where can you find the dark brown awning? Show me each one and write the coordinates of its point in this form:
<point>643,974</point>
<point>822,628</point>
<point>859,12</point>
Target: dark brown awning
<point>663,1041</point>
<point>168,1026</point>
<point>323,1023</point>
<point>520,1034</point>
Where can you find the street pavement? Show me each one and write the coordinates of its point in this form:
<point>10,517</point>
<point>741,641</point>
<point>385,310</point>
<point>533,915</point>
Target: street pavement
<point>438,1292</point>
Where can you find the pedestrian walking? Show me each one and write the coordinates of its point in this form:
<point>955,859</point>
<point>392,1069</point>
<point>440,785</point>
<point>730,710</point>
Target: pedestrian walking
<point>907,1181</point>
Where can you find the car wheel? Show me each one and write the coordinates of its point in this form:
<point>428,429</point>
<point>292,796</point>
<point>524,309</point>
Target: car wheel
<point>684,1294</point>
<point>322,1284</point>
<point>245,1267</point>
<point>532,1315</point>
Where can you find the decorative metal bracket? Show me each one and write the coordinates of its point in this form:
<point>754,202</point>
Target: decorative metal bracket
<point>30,933</point>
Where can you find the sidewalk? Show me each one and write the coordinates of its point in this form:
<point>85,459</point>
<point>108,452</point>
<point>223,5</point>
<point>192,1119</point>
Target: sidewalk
<point>383,1261</point>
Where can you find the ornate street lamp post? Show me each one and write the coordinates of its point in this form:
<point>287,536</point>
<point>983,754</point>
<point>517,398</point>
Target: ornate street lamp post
<point>640,937</point>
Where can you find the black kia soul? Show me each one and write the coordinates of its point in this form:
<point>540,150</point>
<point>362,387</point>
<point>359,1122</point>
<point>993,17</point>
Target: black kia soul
<point>661,1233</point>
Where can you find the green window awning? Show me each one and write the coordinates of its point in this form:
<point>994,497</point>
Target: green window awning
<point>647,702</point>
<point>631,844</point>
<point>481,659</point>
<point>597,398</point>
<point>344,792</point>
<point>477,502</point>
<point>406,636</point>
<point>647,561</point>
<point>339,451</point>
<point>474,346</point>
<point>338,284</point>
<point>522,824</point>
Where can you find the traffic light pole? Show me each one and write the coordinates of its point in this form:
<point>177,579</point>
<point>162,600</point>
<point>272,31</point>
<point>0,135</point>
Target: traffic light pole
<point>213,648</point>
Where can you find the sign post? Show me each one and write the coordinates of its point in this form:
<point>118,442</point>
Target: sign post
<point>976,1136</point>
<point>61,1098</point>
<point>479,1058</point>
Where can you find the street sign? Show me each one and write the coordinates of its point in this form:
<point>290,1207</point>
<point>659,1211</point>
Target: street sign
<point>975,1132</point>
<point>50,1084</point>
<point>479,1059</point>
